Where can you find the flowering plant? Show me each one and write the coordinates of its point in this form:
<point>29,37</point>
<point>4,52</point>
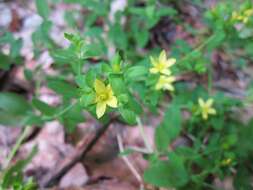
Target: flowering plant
<point>114,71</point>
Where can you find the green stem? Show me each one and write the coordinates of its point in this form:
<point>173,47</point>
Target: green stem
<point>200,47</point>
<point>16,146</point>
<point>60,113</point>
<point>210,77</point>
<point>65,110</point>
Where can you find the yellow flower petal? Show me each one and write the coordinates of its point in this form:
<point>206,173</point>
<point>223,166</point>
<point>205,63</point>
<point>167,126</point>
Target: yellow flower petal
<point>99,86</point>
<point>204,116</point>
<point>169,87</point>
<point>112,102</point>
<point>158,86</point>
<point>170,62</point>
<point>245,20</point>
<point>201,102</point>
<point>153,70</point>
<point>100,109</point>
<point>170,79</point>
<point>212,111</point>
<point>206,107</point>
<point>164,83</point>
<point>162,57</point>
<point>209,102</point>
<point>109,90</point>
<point>153,61</point>
<point>248,12</point>
<point>166,71</point>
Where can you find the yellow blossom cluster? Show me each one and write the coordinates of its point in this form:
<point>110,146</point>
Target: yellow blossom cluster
<point>161,65</point>
<point>242,16</point>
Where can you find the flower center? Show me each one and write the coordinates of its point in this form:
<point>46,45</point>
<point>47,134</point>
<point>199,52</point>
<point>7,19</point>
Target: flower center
<point>103,96</point>
<point>205,109</point>
<point>160,66</point>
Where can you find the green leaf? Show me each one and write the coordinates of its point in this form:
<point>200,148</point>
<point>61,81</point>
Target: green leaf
<point>116,63</point>
<point>128,115</point>
<point>134,105</point>
<point>72,117</point>
<point>43,107</point>
<point>70,37</point>
<point>28,74</point>
<point>41,37</point>
<point>63,56</point>
<point>136,71</point>
<point>242,180</point>
<point>172,120</point>
<point>217,40</point>
<point>42,8</point>
<point>10,119</point>
<point>90,78</point>
<point>166,11</point>
<point>80,81</point>
<point>63,88</point>
<point>142,37</point>
<point>170,126</point>
<point>94,49</point>
<point>87,99</point>
<point>118,36</point>
<point>5,62</point>
<point>167,174</point>
<point>123,99</point>
<point>117,83</point>
<point>161,138</point>
<point>33,119</point>
<point>13,103</point>
<point>15,48</point>
<point>6,37</point>
<point>14,109</point>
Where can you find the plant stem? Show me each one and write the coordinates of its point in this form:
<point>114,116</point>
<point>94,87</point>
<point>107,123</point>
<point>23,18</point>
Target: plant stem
<point>145,139</point>
<point>200,47</point>
<point>210,77</point>
<point>16,146</point>
<point>65,110</point>
<point>128,163</point>
<point>60,113</point>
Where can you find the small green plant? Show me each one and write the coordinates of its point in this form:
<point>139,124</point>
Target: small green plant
<point>130,85</point>
<point>12,177</point>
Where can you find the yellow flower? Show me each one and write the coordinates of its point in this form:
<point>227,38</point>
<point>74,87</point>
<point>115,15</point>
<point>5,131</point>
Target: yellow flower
<point>165,83</point>
<point>104,97</point>
<point>247,14</point>
<point>226,162</point>
<point>161,64</point>
<point>243,17</point>
<point>206,108</point>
